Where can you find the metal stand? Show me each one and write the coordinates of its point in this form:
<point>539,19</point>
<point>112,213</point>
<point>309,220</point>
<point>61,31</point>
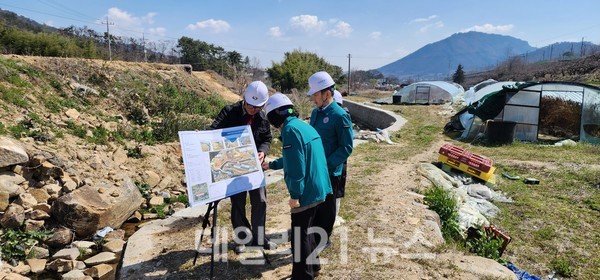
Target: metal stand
<point>205,222</point>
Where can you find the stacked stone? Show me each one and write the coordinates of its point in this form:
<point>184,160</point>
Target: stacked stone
<point>39,192</point>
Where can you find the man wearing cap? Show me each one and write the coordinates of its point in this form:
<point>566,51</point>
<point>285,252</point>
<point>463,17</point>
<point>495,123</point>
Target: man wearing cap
<point>335,128</point>
<point>249,112</point>
<point>306,177</point>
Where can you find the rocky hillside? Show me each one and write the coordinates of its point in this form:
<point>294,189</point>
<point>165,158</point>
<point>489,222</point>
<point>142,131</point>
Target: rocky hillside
<point>86,145</point>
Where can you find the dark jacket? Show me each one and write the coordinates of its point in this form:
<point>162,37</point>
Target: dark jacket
<point>234,115</point>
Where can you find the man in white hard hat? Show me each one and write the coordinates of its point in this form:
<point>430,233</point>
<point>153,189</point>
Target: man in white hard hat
<point>341,190</point>
<point>306,176</point>
<point>335,127</point>
<point>249,112</point>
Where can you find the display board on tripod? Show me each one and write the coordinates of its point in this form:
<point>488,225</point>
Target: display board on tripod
<point>220,163</point>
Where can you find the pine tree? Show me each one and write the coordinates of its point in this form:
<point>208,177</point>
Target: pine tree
<point>459,75</point>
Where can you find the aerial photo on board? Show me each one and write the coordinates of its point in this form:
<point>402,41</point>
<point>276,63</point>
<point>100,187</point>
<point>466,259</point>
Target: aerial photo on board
<point>230,163</point>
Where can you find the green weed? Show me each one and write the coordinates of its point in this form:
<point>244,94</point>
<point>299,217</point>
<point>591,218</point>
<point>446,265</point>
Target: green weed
<point>15,242</point>
<point>444,204</point>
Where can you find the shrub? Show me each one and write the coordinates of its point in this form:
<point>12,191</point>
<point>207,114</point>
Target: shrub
<point>442,202</point>
<point>167,130</point>
<point>481,244</point>
<point>562,266</point>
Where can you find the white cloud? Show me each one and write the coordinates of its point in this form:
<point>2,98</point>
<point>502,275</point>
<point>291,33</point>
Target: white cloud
<point>215,26</point>
<point>158,31</point>
<point>376,35</point>
<point>431,26</point>
<point>126,22</point>
<point>429,18</point>
<point>342,30</point>
<point>275,31</point>
<point>307,23</point>
<point>490,28</point>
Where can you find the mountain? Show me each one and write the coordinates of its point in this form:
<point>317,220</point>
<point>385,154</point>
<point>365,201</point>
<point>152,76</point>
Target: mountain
<point>474,50</point>
<point>10,19</point>
<point>561,51</point>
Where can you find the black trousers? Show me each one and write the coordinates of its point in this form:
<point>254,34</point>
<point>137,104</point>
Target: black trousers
<point>340,189</point>
<point>303,244</point>
<point>325,217</point>
<point>258,201</point>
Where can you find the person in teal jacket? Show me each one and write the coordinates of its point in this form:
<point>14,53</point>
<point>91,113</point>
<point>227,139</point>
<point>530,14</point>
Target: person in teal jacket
<point>305,174</point>
<point>334,125</point>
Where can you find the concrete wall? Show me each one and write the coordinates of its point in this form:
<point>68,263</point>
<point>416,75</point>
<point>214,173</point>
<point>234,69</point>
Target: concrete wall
<point>374,117</point>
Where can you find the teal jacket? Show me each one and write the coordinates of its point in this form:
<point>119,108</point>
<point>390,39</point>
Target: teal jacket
<point>335,127</point>
<point>303,162</point>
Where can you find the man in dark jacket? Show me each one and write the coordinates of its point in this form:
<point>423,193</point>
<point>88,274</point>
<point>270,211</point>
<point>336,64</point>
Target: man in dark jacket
<point>249,112</point>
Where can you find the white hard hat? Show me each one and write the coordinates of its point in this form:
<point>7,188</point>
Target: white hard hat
<point>337,96</point>
<point>319,81</point>
<point>277,100</point>
<point>256,94</point>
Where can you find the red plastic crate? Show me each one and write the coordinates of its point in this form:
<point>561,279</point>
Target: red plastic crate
<point>450,151</point>
<point>474,160</point>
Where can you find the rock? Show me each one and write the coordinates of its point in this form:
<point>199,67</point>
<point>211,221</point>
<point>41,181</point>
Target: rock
<point>53,189</point>
<point>66,254</point>
<point>483,267</point>
<point>115,246</point>
<point>165,182</point>
<point>38,252</point>
<point>99,271</point>
<point>84,244</point>
<point>74,275</point>
<point>15,276</point>
<point>10,188</point>
<point>61,238</point>
<point>136,217</point>
<point>86,210</point>
<point>13,216</point>
<point>104,257</point>
<point>9,182</point>
<point>37,265</point>
<point>69,186</point>
<point>22,268</point>
<point>120,156</point>
<point>72,114</point>
<point>176,206</point>
<point>40,195</point>
<point>11,152</point>
<point>26,200</point>
<point>115,234</point>
<point>18,169</point>
<point>42,207</point>
<point>150,216</point>
<point>156,200</point>
<point>34,225</point>
<point>151,178</point>
<point>4,196</point>
<point>60,265</point>
<point>79,265</point>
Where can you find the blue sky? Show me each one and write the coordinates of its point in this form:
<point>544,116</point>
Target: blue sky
<point>374,32</point>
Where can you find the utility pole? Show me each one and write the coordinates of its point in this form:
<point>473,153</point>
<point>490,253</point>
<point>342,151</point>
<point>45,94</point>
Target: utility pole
<point>581,53</point>
<point>349,56</point>
<point>551,49</point>
<point>108,36</point>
